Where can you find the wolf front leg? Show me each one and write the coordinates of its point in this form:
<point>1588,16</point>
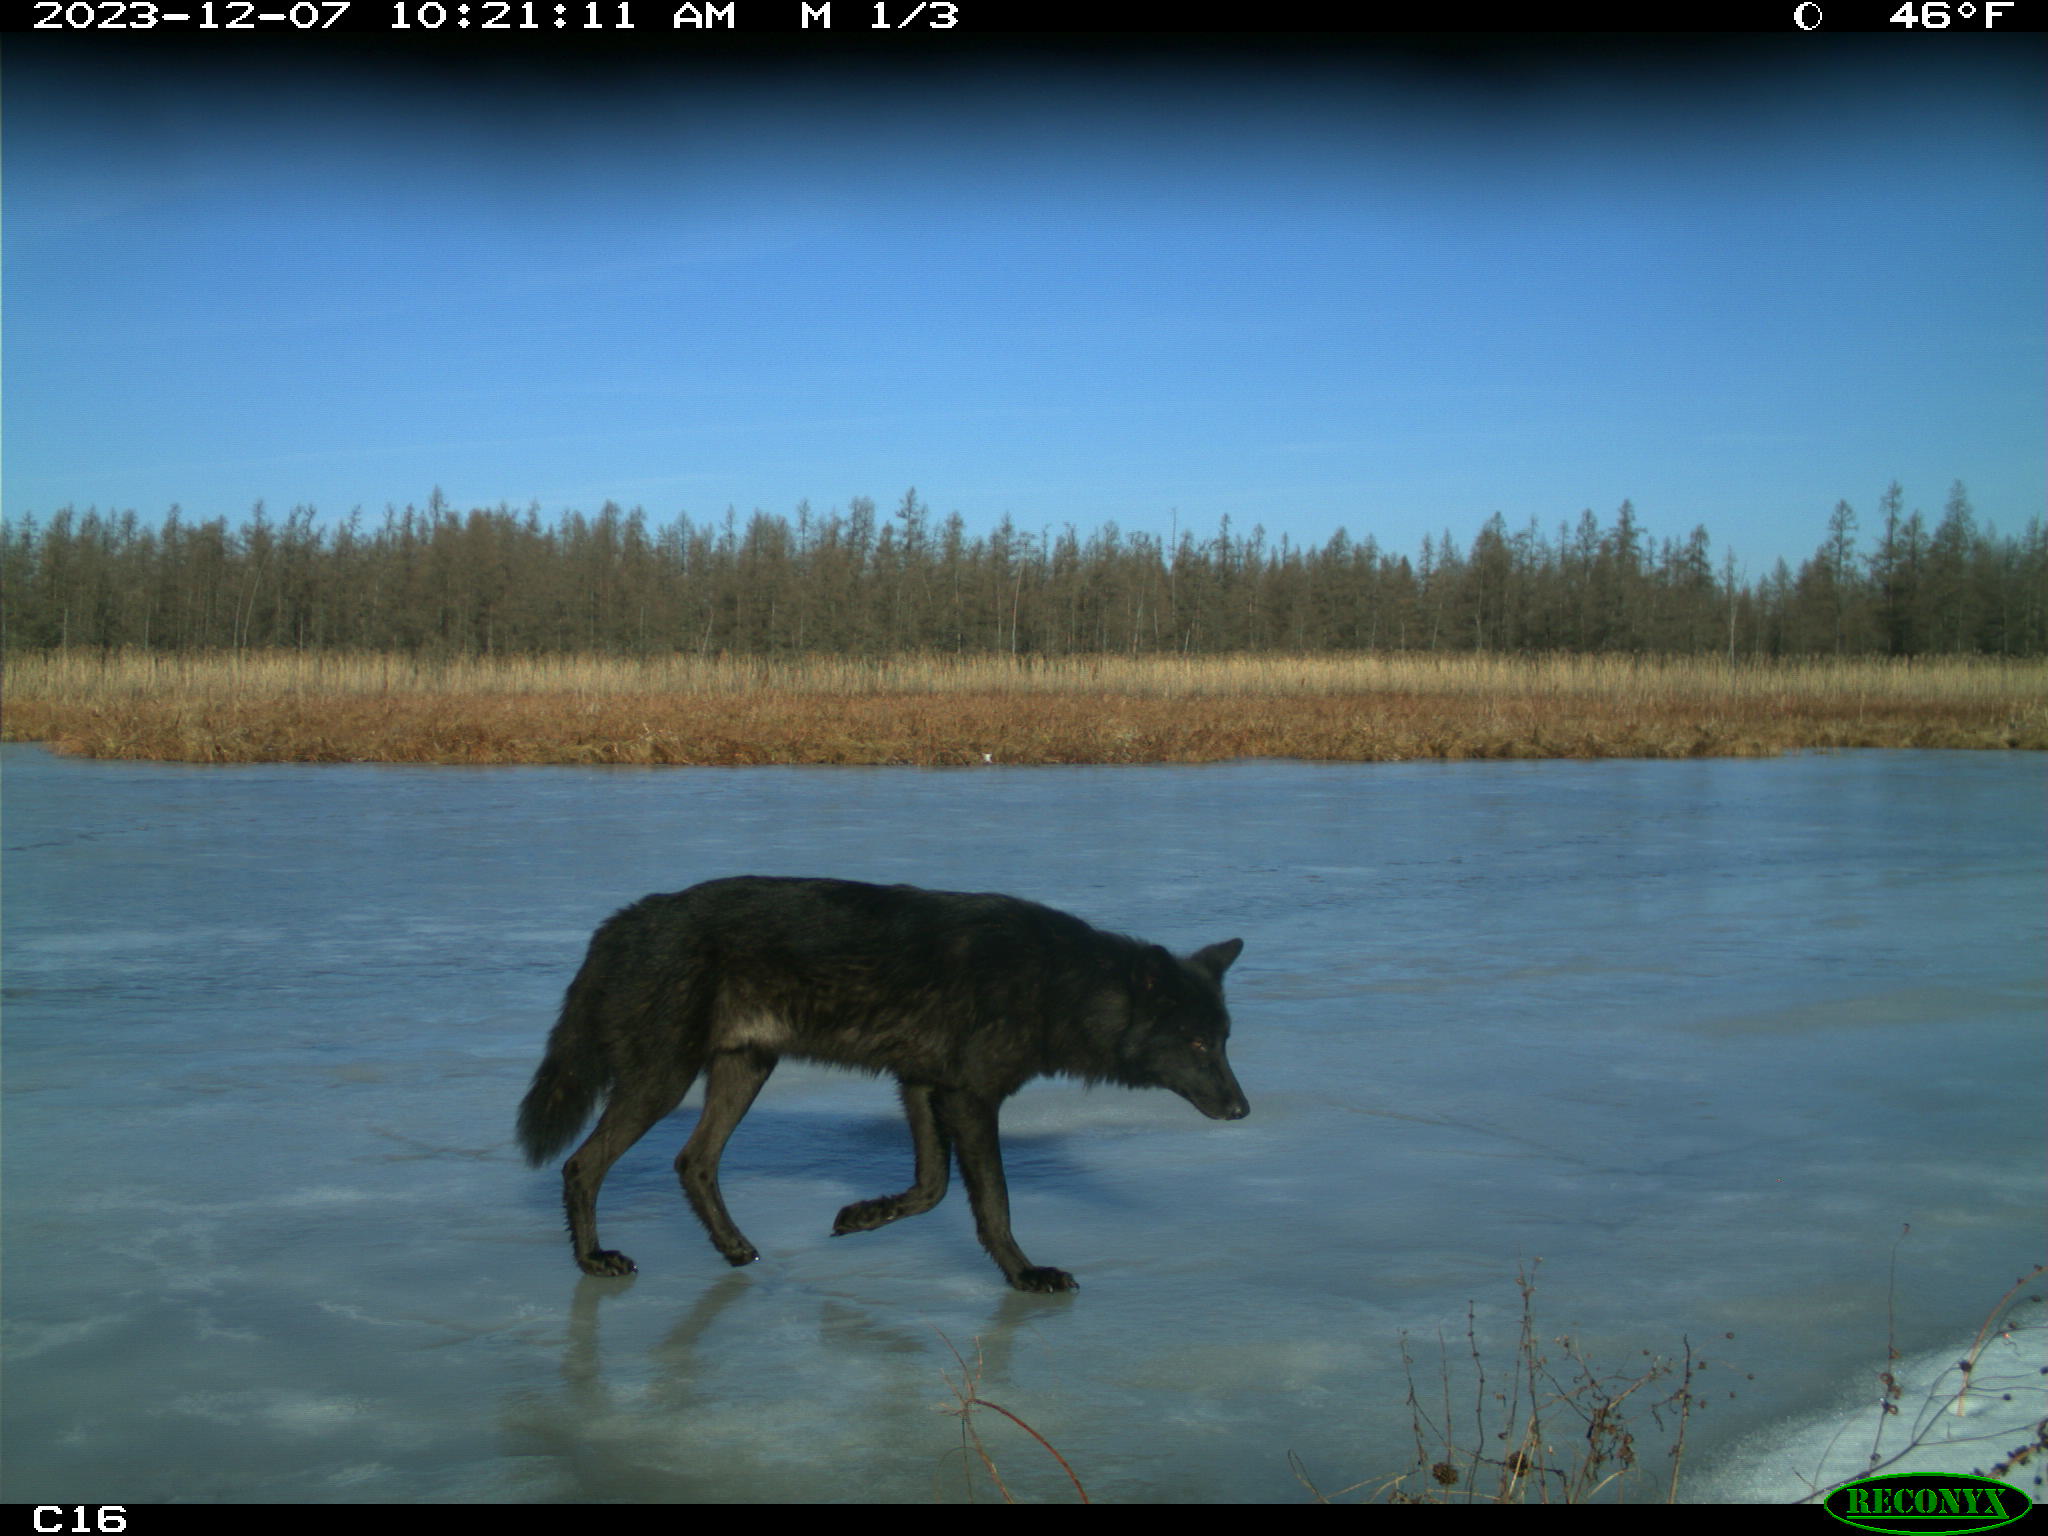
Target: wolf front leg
<point>969,1121</point>
<point>928,1184</point>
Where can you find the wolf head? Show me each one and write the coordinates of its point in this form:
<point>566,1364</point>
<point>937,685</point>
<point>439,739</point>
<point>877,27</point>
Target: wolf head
<point>1179,1026</point>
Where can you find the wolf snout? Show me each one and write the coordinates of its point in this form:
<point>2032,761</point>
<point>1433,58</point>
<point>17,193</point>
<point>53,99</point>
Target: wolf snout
<point>1227,1105</point>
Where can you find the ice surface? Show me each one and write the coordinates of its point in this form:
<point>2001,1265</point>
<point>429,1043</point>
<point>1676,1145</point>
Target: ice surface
<point>1702,1036</point>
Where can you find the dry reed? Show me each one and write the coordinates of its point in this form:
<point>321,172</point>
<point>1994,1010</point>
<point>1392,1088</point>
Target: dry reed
<point>284,706</point>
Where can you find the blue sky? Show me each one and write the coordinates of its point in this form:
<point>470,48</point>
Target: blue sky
<point>1371,286</point>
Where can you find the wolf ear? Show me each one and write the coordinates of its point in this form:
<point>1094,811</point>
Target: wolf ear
<point>1158,964</point>
<point>1217,957</point>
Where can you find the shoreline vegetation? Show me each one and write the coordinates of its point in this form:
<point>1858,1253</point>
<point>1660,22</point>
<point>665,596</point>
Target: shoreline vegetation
<point>934,710</point>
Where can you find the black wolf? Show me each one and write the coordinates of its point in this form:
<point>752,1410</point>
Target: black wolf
<point>964,998</point>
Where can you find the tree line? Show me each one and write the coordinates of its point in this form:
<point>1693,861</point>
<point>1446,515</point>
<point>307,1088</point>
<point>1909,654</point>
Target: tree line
<point>493,581</point>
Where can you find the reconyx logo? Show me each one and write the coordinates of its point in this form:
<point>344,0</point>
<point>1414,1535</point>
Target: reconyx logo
<point>1927,1501</point>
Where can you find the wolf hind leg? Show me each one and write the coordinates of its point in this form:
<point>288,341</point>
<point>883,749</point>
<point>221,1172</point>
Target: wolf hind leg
<point>732,1082</point>
<point>627,1117</point>
<point>934,1155</point>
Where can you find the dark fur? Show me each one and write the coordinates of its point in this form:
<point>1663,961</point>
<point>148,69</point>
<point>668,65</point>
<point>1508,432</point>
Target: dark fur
<point>963,998</point>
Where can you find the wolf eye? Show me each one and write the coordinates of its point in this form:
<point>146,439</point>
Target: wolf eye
<point>1199,1047</point>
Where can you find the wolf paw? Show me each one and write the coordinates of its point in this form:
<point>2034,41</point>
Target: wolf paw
<point>740,1256</point>
<point>607,1262</point>
<point>865,1216</point>
<point>1039,1278</point>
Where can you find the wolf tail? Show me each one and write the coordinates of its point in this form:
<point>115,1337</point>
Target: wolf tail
<point>572,1075</point>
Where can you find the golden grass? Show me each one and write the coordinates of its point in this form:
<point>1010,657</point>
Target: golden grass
<point>330,707</point>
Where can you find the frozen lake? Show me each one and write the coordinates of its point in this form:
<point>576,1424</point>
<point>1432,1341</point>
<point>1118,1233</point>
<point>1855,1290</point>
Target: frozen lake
<point>1701,1036</point>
